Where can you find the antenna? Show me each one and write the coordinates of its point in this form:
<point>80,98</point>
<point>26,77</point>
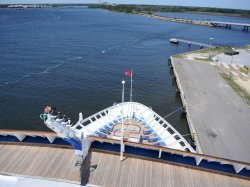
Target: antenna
<point>131,83</point>
<point>123,82</point>
<point>122,128</point>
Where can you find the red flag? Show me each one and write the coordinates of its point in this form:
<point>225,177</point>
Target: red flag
<point>129,73</point>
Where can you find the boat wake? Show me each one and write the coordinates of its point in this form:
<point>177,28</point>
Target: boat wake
<point>119,46</point>
<point>52,16</point>
<point>20,79</point>
<point>25,23</point>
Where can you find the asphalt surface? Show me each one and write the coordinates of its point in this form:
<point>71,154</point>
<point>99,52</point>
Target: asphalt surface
<point>220,117</point>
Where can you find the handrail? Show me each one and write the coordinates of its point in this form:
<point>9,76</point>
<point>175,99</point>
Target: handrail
<point>160,119</point>
<point>26,131</point>
<point>237,165</point>
<point>173,151</point>
<point>21,135</point>
<point>147,146</point>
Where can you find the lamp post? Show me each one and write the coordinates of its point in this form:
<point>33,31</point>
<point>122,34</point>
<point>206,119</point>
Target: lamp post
<point>122,128</point>
<point>210,45</point>
<point>123,82</point>
<point>232,58</point>
<point>231,52</point>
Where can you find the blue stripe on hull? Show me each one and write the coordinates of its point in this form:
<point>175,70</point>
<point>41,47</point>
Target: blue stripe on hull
<point>77,145</point>
<point>30,139</point>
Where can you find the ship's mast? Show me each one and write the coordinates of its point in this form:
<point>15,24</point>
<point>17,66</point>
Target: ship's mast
<point>131,81</point>
<point>122,128</point>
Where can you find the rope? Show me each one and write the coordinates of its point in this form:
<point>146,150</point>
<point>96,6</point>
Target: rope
<point>173,112</point>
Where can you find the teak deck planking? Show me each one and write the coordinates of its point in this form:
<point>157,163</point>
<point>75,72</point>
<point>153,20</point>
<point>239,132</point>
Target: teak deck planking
<point>104,169</point>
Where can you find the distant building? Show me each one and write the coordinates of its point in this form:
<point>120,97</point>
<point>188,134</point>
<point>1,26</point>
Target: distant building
<point>29,6</point>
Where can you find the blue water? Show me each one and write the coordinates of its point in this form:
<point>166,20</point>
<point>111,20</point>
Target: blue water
<point>75,59</point>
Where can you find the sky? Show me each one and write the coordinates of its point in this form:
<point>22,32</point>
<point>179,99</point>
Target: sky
<point>236,4</point>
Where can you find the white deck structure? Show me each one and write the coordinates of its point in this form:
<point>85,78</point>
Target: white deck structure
<point>141,125</point>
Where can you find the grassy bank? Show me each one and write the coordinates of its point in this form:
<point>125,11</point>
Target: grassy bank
<point>213,51</point>
<point>242,93</point>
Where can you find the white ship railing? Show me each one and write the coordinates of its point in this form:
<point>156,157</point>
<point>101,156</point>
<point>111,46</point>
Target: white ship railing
<point>139,112</point>
<point>200,159</point>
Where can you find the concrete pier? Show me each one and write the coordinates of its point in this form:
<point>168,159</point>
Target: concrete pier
<point>218,118</point>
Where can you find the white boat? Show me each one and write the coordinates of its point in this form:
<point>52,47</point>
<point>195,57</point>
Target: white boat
<point>127,122</point>
<point>174,41</point>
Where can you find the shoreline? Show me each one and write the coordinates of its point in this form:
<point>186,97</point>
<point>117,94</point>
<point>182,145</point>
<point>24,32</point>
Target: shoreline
<point>44,5</point>
<point>186,21</point>
<point>151,9</point>
<point>186,12</point>
<point>177,20</point>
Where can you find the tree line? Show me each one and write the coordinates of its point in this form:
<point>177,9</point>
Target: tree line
<point>155,8</point>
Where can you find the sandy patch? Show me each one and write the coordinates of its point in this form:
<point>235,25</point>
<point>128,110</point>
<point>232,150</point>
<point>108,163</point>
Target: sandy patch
<point>197,56</point>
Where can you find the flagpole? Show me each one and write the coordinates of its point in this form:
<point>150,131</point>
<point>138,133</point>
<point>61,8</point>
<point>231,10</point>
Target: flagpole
<point>131,83</point>
<point>123,82</point>
<point>122,128</point>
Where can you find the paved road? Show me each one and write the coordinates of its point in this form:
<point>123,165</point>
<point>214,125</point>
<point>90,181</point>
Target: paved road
<point>220,117</point>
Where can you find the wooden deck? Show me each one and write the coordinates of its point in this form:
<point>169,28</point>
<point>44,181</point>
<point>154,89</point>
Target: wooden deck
<point>48,162</point>
<point>104,169</point>
<point>139,172</point>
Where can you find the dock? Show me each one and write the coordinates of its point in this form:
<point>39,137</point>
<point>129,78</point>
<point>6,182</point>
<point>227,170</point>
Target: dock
<point>104,168</point>
<point>218,118</point>
<point>189,42</point>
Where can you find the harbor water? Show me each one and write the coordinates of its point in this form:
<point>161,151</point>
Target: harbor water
<point>75,59</point>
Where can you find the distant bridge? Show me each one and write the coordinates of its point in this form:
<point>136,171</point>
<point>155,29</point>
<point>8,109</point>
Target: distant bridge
<point>228,25</point>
